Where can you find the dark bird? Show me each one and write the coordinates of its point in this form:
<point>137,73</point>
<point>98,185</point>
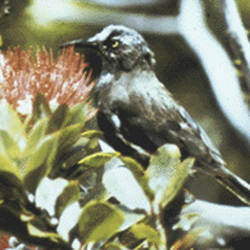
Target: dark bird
<point>138,114</point>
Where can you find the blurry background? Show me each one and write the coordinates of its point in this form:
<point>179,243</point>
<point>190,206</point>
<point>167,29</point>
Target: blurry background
<point>49,23</point>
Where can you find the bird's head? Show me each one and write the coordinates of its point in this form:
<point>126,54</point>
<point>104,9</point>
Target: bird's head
<point>120,48</point>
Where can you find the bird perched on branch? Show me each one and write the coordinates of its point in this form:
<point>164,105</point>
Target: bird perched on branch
<point>138,114</point>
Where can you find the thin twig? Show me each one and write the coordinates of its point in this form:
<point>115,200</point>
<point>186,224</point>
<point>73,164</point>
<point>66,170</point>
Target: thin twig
<point>237,37</point>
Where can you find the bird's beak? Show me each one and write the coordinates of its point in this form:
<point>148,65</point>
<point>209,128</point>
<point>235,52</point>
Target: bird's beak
<point>80,43</point>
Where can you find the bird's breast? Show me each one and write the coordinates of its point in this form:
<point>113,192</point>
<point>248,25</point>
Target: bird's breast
<point>138,92</point>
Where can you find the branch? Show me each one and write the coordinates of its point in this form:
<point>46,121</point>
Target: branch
<point>237,37</point>
<point>216,64</point>
<point>221,224</point>
<point>125,3</point>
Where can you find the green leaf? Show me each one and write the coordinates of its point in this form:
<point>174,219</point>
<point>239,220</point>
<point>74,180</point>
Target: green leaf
<point>34,231</point>
<point>139,173</point>
<point>68,220</point>
<point>141,232</point>
<point>167,174</point>
<point>58,118</point>
<point>96,160</point>
<point>10,122</point>
<point>11,187</point>
<point>27,122</point>
<point>130,218</point>
<point>8,166</point>
<point>99,221</point>
<point>120,182</point>
<point>68,136</point>
<point>70,194</point>
<point>42,160</point>
<point>144,231</point>
<point>32,178</point>
<point>92,136</point>
<point>114,246</point>
<point>178,179</point>
<point>90,168</point>
<point>41,108</point>
<point>8,146</point>
<point>70,159</point>
<point>92,133</point>
<point>86,145</point>
<point>41,153</point>
<point>35,135</point>
<point>78,114</point>
<point>29,232</point>
<point>47,199</point>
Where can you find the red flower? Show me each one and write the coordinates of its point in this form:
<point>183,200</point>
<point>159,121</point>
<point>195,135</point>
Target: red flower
<point>60,80</point>
<point>4,242</point>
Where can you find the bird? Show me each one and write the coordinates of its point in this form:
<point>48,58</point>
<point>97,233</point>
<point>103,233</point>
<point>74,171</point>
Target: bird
<point>137,113</point>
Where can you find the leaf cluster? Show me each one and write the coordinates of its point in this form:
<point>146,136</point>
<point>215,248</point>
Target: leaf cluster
<point>60,191</point>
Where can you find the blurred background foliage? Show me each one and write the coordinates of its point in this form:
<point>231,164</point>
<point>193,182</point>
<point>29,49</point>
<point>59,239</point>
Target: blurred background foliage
<point>49,23</point>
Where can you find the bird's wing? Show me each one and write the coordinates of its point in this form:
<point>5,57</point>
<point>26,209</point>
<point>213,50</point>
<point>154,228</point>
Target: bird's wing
<point>112,126</point>
<point>151,124</point>
<point>187,134</point>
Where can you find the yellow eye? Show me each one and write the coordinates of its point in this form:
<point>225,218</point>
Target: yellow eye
<point>115,44</point>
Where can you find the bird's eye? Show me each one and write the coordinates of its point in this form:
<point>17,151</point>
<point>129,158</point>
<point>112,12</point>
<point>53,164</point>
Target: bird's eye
<point>115,44</point>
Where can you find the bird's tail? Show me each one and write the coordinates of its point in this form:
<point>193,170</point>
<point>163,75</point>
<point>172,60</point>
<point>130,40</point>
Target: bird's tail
<point>233,183</point>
